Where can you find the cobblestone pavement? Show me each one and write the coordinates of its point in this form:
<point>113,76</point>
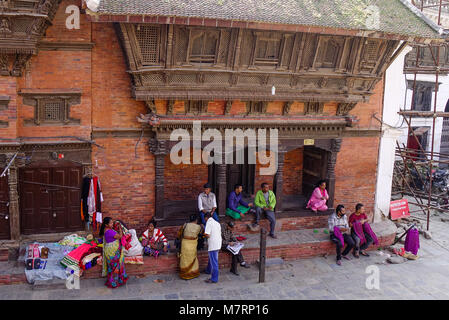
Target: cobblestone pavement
<point>316,278</point>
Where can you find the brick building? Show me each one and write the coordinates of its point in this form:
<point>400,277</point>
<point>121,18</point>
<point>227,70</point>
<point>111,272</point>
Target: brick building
<point>86,94</point>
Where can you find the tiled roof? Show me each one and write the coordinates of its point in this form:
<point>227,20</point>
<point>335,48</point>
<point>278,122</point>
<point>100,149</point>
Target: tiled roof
<point>395,17</point>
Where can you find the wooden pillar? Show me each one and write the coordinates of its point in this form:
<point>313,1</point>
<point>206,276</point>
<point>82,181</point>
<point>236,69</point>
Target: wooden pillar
<point>331,162</point>
<point>159,149</point>
<point>279,180</point>
<point>14,214</point>
<point>221,186</point>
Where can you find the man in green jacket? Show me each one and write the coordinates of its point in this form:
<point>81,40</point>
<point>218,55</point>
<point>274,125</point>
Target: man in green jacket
<point>265,201</point>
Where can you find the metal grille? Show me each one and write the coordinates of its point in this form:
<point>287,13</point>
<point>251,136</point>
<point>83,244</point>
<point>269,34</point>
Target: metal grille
<point>52,111</point>
<point>249,80</point>
<point>148,38</point>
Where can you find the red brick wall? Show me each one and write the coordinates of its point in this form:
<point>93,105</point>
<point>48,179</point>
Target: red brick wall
<point>293,163</point>
<point>8,87</point>
<point>184,181</point>
<point>127,182</point>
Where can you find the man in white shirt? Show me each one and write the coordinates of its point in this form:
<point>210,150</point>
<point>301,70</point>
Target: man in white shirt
<point>213,235</point>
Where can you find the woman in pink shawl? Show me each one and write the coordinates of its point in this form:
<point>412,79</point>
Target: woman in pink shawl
<point>319,198</point>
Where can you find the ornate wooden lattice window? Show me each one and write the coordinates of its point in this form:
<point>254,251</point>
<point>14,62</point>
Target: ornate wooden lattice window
<point>51,108</point>
<point>4,101</point>
<point>370,55</point>
<point>148,38</point>
<point>203,46</point>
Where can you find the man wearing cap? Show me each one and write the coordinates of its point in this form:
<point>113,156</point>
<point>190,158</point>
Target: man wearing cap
<point>228,238</point>
<point>207,203</point>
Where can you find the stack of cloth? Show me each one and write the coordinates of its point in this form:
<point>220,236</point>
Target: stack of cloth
<point>134,255</point>
<point>91,258</point>
<point>72,240</point>
<point>73,259</point>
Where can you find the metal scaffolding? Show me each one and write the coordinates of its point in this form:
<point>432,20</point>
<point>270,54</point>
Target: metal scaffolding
<point>413,169</point>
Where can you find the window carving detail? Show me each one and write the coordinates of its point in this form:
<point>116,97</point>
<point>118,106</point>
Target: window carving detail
<point>313,107</point>
<point>329,52</point>
<point>256,107</point>
<point>370,55</point>
<point>203,46</point>
<point>51,109</point>
<point>4,101</point>
<point>196,107</point>
<point>267,49</point>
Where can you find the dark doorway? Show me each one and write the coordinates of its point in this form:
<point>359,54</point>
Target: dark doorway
<point>235,173</point>
<point>4,208</point>
<point>314,168</point>
<point>50,197</point>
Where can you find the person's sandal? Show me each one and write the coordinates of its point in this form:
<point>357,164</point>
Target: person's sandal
<point>364,254</point>
<point>339,262</point>
<point>356,255</point>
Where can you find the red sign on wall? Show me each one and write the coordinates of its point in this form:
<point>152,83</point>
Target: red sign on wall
<point>399,209</point>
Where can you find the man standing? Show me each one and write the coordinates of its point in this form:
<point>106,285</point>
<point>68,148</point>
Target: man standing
<point>265,201</point>
<point>213,235</point>
<point>207,203</point>
<point>338,222</point>
<point>228,238</point>
<point>237,208</point>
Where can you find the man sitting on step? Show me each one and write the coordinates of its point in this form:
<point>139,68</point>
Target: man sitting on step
<point>340,232</point>
<point>265,201</point>
<point>228,238</point>
<point>207,203</point>
<point>237,208</point>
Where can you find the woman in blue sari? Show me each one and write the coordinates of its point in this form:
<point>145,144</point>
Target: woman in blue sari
<point>113,255</point>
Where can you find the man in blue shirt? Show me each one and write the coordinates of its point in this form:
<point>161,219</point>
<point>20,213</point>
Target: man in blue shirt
<point>236,206</point>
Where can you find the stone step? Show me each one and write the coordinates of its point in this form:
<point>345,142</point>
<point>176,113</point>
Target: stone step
<point>272,264</point>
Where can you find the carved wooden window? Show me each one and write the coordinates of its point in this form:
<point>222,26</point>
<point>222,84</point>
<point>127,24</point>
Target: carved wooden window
<point>203,46</point>
<point>370,55</point>
<point>148,38</point>
<point>329,52</point>
<point>51,108</point>
<point>4,101</point>
<point>267,49</point>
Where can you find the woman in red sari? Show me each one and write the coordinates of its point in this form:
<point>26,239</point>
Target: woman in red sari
<point>113,255</point>
<point>319,198</point>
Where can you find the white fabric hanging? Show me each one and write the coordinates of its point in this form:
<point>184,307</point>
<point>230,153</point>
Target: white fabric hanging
<point>91,204</point>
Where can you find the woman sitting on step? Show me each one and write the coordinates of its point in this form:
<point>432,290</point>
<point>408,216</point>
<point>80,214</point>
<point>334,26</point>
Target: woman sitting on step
<point>154,241</point>
<point>319,198</point>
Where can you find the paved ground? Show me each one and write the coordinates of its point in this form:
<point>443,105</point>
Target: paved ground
<point>317,278</point>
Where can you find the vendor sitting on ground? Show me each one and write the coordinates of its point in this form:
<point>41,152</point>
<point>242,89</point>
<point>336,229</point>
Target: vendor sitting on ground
<point>360,216</point>
<point>237,208</point>
<point>153,240</point>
